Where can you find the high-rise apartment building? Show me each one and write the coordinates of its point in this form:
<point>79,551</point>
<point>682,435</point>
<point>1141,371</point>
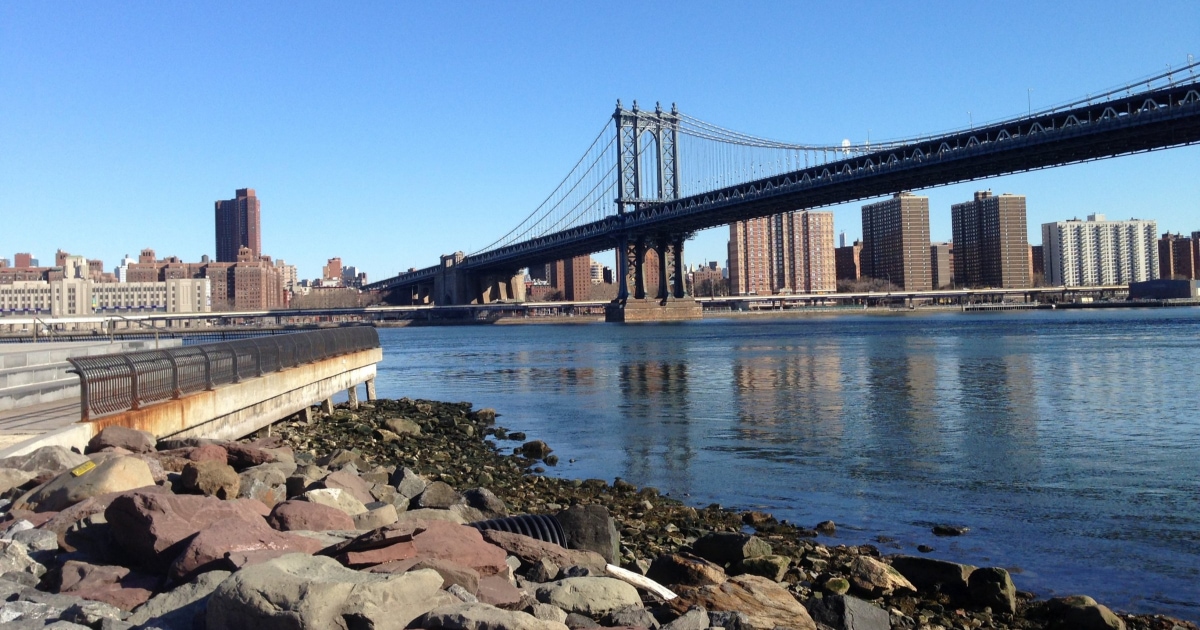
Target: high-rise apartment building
<point>23,260</point>
<point>991,242</point>
<point>573,277</point>
<point>332,271</point>
<point>238,226</point>
<point>941,264</point>
<point>1179,257</point>
<point>847,261</point>
<point>1098,252</point>
<point>896,242</point>
<point>791,252</point>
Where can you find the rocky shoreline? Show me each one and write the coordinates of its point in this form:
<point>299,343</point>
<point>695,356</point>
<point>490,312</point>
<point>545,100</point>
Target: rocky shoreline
<point>356,520</point>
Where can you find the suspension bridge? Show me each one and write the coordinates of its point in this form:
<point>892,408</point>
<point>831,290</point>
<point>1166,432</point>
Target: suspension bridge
<point>652,178</point>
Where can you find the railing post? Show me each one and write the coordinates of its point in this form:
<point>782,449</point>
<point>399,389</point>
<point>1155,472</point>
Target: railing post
<point>175,393</point>
<point>208,381</point>
<point>133,383</point>
<point>84,414</point>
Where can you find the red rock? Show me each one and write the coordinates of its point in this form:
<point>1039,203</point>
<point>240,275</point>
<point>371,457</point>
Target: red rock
<point>208,452</point>
<point>461,545</point>
<point>499,592</point>
<point>131,440</point>
<point>293,515</point>
<point>532,550</point>
<point>153,528</point>
<point>62,521</point>
<point>37,518</point>
<point>113,585</point>
<point>451,573</point>
<point>348,482</point>
<point>242,456</point>
<point>685,569</point>
<point>372,557</point>
<point>248,542</point>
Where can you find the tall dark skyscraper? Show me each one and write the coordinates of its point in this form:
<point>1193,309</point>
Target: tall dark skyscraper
<point>238,226</point>
<point>896,242</point>
<point>991,247</point>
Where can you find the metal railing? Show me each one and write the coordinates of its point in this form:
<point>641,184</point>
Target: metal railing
<point>112,383</point>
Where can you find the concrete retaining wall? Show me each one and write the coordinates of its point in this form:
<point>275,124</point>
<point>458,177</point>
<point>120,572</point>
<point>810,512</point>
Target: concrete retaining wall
<point>231,411</point>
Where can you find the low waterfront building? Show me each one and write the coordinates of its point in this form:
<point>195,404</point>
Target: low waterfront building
<point>75,297</point>
<point>1178,257</point>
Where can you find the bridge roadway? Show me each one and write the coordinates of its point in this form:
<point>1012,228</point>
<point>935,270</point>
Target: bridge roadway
<point>1146,121</point>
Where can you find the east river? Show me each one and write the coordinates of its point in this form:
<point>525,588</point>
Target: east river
<point>1068,442</point>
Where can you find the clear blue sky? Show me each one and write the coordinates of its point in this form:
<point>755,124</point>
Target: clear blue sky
<point>390,133</point>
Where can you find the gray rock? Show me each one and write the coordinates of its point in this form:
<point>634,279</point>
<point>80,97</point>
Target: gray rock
<point>336,498</point>
<point>408,483</point>
<point>439,496</point>
<point>178,608</point>
<point>487,502</point>
<point>11,478</point>
<point>378,517</point>
<point>132,440</point>
<point>543,571</point>
<point>22,610</point>
<point>37,539</point>
<point>91,614</point>
<point>591,596</point>
<point>877,578</point>
<point>729,619</point>
<point>14,557</point>
<point>300,592</point>
<point>841,612</point>
<point>24,579</point>
<point>696,618</point>
<point>462,594</point>
<point>993,587</point>
<point>47,459</point>
<point>576,621</point>
<point>935,576</point>
<point>432,515</point>
<point>548,612</point>
<point>632,616</point>
<point>115,474</point>
<point>730,547</point>
<point>14,527</point>
<point>66,625</point>
<point>402,426</point>
<point>484,617</point>
<point>590,527</point>
<point>1080,612</point>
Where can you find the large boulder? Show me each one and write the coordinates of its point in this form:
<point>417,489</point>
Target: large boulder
<point>117,436</point>
<point>423,540</point>
<point>243,456</point>
<point>299,592</point>
<point>993,587</point>
<point>591,528</point>
<point>347,481</point>
<point>590,596</point>
<point>155,527</point>
<point>116,474</point>
<point>480,616</point>
<point>408,483</point>
<point>376,517</point>
<point>1080,612</point>
<point>211,478</point>
<point>47,459</point>
<point>935,576</point>
<point>486,502</point>
<point>842,612</point>
<point>266,483</point>
<point>231,543</point>
<point>725,548</point>
<point>180,607</point>
<point>531,551</point>
<point>306,515</point>
<point>876,578</point>
<point>438,496</point>
<point>766,604</point>
<point>685,569</point>
<point>114,585</point>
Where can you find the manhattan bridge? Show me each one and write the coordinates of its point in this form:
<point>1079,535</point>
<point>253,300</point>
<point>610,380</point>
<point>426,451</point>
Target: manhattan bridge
<point>653,177</point>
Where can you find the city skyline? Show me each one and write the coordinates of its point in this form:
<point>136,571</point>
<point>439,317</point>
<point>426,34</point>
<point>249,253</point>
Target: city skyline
<point>330,96</point>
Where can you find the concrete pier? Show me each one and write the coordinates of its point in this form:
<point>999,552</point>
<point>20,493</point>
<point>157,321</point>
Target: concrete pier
<point>673,310</point>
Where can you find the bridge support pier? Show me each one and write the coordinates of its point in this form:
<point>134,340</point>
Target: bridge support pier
<point>668,301</point>
<point>352,394</point>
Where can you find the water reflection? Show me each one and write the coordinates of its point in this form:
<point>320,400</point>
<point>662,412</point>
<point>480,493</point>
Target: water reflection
<point>655,410</point>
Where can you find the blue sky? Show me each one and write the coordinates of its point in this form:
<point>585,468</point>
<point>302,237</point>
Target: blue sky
<point>390,133</point>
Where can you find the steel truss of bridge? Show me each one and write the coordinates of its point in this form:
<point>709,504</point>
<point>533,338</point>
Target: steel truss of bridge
<point>1121,124</point>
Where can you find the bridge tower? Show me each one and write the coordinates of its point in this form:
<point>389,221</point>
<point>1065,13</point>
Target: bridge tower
<point>647,174</point>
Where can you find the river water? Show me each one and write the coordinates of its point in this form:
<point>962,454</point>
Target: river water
<point>1067,441</point>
